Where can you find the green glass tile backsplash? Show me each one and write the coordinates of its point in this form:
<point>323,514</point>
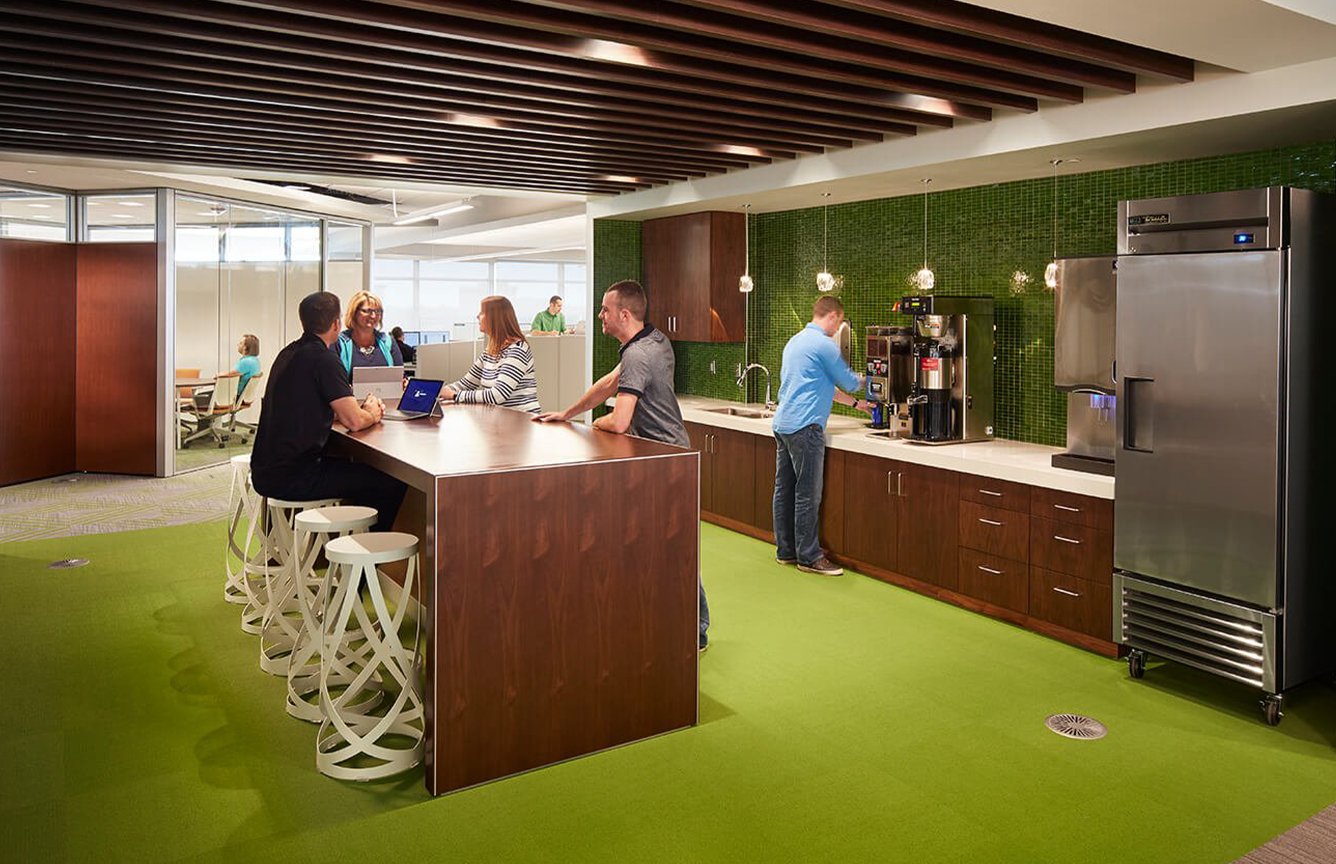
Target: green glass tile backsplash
<point>984,240</point>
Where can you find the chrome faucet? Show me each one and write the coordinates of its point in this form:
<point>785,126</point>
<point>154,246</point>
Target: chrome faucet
<point>769,406</point>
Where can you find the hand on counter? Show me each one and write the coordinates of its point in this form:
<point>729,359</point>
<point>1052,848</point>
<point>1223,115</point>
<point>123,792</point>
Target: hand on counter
<point>551,417</point>
<point>448,395</point>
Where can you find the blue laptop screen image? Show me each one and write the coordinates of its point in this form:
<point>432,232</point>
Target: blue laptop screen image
<point>420,396</point>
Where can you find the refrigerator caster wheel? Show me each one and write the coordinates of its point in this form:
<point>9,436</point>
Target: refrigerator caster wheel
<point>1271,710</point>
<point>1136,663</point>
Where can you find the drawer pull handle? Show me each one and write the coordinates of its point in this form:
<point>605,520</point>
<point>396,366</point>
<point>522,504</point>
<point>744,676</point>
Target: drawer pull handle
<point>1066,539</point>
<point>989,521</point>
<point>990,492</point>
<point>1068,509</point>
<point>990,570</point>
<point>1068,593</point>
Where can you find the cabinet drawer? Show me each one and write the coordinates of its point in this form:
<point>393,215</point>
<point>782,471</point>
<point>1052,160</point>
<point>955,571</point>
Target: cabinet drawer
<point>995,580</point>
<point>1071,602</point>
<point>1069,507</point>
<point>995,493</point>
<point>1004,533</point>
<point>1072,549</point>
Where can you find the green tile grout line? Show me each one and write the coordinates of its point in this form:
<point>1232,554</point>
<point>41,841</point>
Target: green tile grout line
<point>978,239</point>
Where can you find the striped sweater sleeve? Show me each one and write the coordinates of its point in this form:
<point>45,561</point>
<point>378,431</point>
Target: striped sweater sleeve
<point>507,380</point>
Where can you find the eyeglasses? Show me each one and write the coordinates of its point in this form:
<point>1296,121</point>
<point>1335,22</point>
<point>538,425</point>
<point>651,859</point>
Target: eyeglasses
<point>370,313</point>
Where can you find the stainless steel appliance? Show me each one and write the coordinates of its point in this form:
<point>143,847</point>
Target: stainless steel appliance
<point>1222,404</point>
<point>1084,319</point>
<point>951,399</point>
<point>889,372</point>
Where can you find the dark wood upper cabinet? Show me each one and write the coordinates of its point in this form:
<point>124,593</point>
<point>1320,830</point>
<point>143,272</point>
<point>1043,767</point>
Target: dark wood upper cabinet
<point>692,265</point>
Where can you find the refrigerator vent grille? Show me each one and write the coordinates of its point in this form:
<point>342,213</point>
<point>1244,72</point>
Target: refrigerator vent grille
<point>1208,639</point>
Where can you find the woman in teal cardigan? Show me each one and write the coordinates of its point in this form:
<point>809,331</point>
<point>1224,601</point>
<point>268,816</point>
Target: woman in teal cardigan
<point>362,343</point>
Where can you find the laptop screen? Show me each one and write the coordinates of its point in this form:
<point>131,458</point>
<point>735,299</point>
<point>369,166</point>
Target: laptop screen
<point>420,395</point>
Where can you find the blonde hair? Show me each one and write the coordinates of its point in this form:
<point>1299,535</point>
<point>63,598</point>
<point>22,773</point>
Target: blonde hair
<point>500,325</point>
<point>250,345</point>
<point>360,299</point>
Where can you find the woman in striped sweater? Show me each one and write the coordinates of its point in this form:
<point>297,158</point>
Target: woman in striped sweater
<point>503,375</point>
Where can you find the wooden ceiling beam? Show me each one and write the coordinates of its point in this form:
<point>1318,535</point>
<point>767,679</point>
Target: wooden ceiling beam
<point>970,20</point>
<point>220,127</point>
<point>326,31</point>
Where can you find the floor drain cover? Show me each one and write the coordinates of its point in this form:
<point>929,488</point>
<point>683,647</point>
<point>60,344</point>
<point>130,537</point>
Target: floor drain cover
<point>67,563</point>
<point>1076,726</point>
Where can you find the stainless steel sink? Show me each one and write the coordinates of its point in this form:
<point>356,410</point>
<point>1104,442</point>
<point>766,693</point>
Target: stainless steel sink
<point>754,413</point>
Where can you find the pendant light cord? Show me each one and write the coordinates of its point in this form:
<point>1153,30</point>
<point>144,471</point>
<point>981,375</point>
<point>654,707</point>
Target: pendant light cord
<point>926,181</point>
<point>1056,163</point>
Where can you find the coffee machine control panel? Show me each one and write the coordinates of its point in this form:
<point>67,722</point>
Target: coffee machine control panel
<point>916,304</point>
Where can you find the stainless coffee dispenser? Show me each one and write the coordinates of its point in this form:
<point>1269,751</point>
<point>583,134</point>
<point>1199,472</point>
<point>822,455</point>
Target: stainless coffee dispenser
<point>951,398</point>
<point>890,373</point>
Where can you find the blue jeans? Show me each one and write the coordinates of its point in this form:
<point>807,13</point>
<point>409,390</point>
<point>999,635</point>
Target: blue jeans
<point>799,461</point>
<point>704,618</point>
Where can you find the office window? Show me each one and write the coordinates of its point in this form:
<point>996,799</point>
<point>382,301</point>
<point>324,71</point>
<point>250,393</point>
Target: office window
<point>304,241</point>
<point>117,217</point>
<point>345,241</point>
<point>254,243</point>
<point>33,215</point>
<point>197,244</point>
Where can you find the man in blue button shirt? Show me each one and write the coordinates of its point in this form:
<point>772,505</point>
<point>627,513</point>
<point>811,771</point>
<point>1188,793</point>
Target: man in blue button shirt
<point>811,370</point>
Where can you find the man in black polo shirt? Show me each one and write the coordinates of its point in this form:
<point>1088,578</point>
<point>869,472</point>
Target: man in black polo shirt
<point>307,390</point>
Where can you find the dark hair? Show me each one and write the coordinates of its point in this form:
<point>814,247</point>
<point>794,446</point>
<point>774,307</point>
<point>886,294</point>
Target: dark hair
<point>555,298</point>
<point>318,311</point>
<point>251,344</point>
<point>631,297</point>
<point>397,333</point>
<point>826,305</point>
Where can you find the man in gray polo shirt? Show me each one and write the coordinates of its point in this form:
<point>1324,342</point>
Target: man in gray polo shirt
<point>646,404</point>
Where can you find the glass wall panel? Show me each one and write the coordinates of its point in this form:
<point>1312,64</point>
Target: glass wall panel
<point>241,271</point>
<point>33,215</point>
<point>345,275</point>
<point>120,217</point>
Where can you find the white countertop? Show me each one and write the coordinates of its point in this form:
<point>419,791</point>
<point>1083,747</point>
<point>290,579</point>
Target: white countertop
<point>999,459</point>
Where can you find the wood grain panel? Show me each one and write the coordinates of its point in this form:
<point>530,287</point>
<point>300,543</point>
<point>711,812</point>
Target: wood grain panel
<point>728,259</point>
<point>1070,548</point>
<point>1005,533</point>
<point>929,498</point>
<point>734,456</point>
<point>763,495</point>
<point>995,493</point>
<point>870,510</point>
<point>37,296</point>
<point>1071,602</point>
<point>565,620</point>
<point>832,502</point>
<point>1070,507</point>
<point>117,370</point>
<point>995,580</point>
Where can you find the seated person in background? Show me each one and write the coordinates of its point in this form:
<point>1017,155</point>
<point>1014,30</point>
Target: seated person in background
<point>307,391</point>
<point>550,320</point>
<point>248,364</point>
<point>361,343</point>
<point>408,352</point>
<point>503,375</point>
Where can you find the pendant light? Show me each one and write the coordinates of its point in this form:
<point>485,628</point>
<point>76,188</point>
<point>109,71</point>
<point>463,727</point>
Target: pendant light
<point>825,281</point>
<point>745,283</point>
<point>924,279</point>
<point>1051,271</point>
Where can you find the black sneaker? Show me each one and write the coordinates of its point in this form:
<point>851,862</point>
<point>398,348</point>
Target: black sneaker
<point>703,648</point>
<point>786,561</point>
<point>824,566</point>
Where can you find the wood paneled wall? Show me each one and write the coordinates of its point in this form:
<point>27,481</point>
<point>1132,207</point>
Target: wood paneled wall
<point>37,359</point>
<point>117,368</point>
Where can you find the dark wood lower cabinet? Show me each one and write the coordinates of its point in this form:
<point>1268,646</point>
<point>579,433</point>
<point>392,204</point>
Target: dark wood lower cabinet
<point>870,510</point>
<point>700,442</point>
<point>927,524</point>
<point>1071,602</point>
<point>733,474</point>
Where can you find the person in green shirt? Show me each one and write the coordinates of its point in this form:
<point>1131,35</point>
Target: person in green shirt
<point>550,320</point>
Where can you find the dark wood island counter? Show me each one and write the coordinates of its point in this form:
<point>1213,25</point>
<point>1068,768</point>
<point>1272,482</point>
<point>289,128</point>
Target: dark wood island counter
<point>560,568</point>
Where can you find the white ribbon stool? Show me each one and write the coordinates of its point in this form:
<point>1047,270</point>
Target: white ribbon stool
<point>282,616</point>
<point>241,502</point>
<point>313,529</point>
<point>356,745</point>
<point>255,584</point>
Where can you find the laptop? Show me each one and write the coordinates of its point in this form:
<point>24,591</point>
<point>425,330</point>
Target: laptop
<point>419,400</point>
<point>385,381</point>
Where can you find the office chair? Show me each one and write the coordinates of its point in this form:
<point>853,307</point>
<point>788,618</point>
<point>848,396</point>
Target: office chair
<point>207,416</point>
<point>247,398</point>
<point>185,400</point>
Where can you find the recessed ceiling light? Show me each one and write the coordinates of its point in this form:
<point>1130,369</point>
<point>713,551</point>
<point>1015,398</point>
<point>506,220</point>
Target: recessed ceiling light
<point>121,216</point>
<point>463,119</point>
<point>619,178</point>
<point>390,159</point>
<point>616,52</point>
<point>40,216</point>
<point>432,213</point>
<point>739,150</point>
<point>132,203</point>
<point>40,206</point>
<point>30,171</point>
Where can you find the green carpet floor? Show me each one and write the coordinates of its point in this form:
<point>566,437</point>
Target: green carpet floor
<point>842,720</point>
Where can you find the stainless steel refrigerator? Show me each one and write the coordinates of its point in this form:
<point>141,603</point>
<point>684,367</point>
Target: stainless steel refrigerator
<point>1225,357</point>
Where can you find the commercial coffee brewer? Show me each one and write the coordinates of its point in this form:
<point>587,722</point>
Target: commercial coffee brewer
<point>890,374</point>
<point>951,397</point>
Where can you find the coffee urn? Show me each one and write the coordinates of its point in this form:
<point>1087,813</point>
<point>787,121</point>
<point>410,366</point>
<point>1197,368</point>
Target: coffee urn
<point>951,399</point>
<point>889,373</point>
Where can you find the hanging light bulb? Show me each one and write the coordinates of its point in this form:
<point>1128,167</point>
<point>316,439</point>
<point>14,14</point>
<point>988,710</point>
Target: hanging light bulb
<point>745,283</point>
<point>925,279</point>
<point>825,281</point>
<point>1051,271</point>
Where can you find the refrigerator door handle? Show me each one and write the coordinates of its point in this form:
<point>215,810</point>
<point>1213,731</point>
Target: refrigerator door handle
<point>1138,415</point>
